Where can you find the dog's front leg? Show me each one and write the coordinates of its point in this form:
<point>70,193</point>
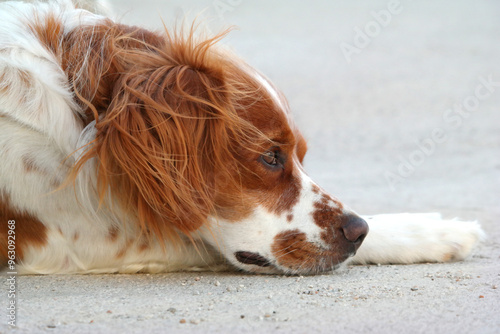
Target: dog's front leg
<point>414,238</point>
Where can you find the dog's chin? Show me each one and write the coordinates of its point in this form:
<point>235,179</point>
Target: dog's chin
<point>255,263</point>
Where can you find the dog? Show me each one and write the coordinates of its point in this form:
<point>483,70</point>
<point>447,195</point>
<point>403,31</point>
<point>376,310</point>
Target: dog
<point>125,150</point>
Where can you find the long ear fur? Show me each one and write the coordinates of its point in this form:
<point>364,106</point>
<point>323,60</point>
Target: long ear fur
<point>164,119</point>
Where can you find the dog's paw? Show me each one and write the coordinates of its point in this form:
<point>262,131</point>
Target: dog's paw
<point>415,238</point>
<point>452,240</point>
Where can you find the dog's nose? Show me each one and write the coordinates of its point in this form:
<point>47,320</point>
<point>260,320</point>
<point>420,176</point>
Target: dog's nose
<point>355,229</point>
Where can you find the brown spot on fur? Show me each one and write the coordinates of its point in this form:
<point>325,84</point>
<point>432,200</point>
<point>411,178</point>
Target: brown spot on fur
<point>329,218</point>
<point>21,76</point>
<point>28,164</point>
<point>4,88</point>
<point>113,232</point>
<point>49,32</point>
<point>29,231</point>
<point>325,214</point>
<point>289,217</point>
<point>144,244</point>
<point>25,78</point>
<point>76,236</point>
<point>60,231</point>
<point>294,252</point>
<point>121,253</point>
<point>54,183</point>
<point>18,76</point>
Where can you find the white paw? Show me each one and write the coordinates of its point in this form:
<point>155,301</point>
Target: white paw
<point>452,240</point>
<point>414,238</point>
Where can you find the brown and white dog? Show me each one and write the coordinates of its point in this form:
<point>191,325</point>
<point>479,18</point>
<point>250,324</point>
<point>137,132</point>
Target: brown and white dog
<point>126,150</point>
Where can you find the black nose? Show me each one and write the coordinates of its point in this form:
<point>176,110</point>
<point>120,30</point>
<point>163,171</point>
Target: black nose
<point>355,229</point>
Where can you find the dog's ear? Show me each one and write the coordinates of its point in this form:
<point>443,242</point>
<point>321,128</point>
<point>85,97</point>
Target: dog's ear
<point>165,119</point>
<point>162,139</point>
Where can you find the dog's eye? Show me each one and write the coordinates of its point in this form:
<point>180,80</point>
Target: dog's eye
<point>272,159</point>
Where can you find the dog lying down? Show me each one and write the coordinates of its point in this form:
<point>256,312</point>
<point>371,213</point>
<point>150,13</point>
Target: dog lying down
<point>126,150</point>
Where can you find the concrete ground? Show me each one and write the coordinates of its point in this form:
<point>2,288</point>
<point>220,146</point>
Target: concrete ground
<point>399,118</point>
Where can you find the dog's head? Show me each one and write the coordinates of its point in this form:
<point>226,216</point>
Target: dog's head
<point>274,218</point>
<point>194,142</point>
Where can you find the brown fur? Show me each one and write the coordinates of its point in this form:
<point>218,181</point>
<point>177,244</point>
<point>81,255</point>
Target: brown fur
<point>29,231</point>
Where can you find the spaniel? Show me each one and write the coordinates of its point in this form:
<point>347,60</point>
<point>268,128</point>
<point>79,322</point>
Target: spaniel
<point>126,150</point>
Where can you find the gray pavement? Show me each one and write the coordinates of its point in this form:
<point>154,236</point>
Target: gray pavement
<point>399,116</point>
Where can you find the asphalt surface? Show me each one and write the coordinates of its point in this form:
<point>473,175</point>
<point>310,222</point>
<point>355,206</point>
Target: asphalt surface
<point>368,102</point>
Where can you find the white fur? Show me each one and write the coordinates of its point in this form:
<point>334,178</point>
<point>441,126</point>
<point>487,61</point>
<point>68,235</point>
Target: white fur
<point>40,122</point>
<point>418,237</point>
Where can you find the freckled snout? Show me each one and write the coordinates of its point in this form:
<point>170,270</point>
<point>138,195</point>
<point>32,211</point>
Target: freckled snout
<point>355,229</point>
